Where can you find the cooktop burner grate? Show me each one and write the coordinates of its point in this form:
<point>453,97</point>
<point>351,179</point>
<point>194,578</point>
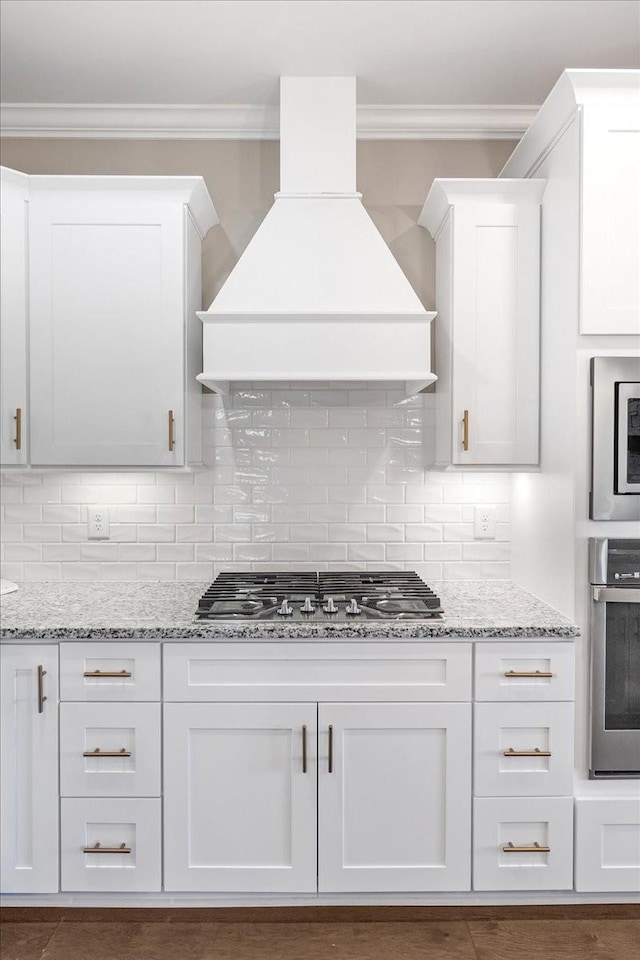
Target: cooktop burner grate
<point>328,596</point>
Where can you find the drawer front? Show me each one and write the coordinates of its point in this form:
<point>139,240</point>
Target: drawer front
<point>132,826</point>
<point>124,742</point>
<point>608,844</point>
<point>524,671</point>
<point>523,749</point>
<point>110,671</point>
<point>506,831</point>
<point>317,671</point>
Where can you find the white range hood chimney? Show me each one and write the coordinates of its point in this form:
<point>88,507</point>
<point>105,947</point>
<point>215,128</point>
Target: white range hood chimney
<point>317,294</point>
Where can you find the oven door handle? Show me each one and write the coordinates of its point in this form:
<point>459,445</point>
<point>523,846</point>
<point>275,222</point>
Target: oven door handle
<point>616,595</point>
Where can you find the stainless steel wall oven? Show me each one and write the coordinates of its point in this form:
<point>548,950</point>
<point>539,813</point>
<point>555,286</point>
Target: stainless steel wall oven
<point>615,658</point>
<point>615,475</point>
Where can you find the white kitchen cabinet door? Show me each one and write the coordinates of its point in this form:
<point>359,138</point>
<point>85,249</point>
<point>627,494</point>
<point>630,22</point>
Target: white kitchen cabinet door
<point>106,332</point>
<point>394,796</point>
<point>14,206</point>
<point>610,248</point>
<point>608,844</point>
<point>29,769</point>
<point>240,797</point>
<point>487,236</point>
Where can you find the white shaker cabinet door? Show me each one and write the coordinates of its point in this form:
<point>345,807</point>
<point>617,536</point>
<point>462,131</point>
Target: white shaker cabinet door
<point>29,769</point>
<point>610,247</point>
<point>240,796</point>
<point>394,796</point>
<point>14,194</point>
<point>106,332</point>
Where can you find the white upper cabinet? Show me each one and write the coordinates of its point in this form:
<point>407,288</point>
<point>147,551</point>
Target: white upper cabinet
<point>13,315</point>
<point>602,172</point>
<point>111,302</point>
<point>114,341</point>
<point>487,235</point>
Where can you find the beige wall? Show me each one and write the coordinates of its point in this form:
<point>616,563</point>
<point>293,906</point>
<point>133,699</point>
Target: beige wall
<point>242,176</point>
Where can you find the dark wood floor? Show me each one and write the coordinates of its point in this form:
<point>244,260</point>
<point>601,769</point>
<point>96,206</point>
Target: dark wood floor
<point>616,938</point>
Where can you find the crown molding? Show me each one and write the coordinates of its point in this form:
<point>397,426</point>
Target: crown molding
<point>250,122</point>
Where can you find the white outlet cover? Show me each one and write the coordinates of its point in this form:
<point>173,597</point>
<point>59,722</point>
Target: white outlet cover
<point>484,526</point>
<point>98,523</point>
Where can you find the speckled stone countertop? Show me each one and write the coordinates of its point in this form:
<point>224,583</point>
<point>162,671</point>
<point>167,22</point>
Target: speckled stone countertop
<point>481,609</point>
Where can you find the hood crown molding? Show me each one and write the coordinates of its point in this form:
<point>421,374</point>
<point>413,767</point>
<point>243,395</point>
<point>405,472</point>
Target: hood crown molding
<point>251,122</point>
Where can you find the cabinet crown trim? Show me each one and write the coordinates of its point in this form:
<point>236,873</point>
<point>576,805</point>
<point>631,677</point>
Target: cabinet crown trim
<point>445,193</point>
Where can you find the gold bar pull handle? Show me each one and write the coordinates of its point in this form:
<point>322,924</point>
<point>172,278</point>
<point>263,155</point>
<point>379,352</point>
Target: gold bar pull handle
<point>96,848</point>
<point>107,673</point>
<point>526,753</point>
<point>330,764</point>
<point>304,748</point>
<point>465,430</point>
<point>107,753</point>
<point>18,437</point>
<point>172,431</point>
<point>41,697</point>
<point>536,674</point>
<point>533,848</point>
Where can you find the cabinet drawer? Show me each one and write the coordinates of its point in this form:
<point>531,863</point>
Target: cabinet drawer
<point>523,749</point>
<point>524,671</point>
<point>506,832</point>
<point>114,824</point>
<point>317,671</point>
<point>109,671</point>
<point>608,844</point>
<point>124,739</point>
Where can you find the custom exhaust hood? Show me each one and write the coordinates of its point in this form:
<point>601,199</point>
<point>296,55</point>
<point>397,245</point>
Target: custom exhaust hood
<point>317,295</point>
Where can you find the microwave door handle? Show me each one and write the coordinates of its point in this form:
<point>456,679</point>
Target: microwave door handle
<point>616,595</point>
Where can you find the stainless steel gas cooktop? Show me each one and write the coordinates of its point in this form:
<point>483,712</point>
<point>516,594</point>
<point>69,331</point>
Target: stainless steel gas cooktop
<point>335,597</point>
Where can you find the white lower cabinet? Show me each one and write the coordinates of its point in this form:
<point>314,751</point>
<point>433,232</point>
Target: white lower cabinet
<point>394,796</point>
<point>29,768</point>
<point>608,844</point>
<point>240,796</point>
<point>111,844</point>
<point>253,791</point>
<point>523,843</point>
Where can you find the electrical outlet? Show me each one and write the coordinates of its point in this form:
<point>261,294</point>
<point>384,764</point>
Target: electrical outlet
<point>98,523</point>
<point>484,527</point>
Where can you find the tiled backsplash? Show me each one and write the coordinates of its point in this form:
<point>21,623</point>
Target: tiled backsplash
<point>328,477</point>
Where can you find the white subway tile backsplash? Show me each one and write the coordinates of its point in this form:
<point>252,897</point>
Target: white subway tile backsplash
<point>42,494</point>
<point>294,478</point>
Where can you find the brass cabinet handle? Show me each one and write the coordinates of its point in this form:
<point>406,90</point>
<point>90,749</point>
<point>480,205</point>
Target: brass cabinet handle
<point>107,673</point>
<point>330,766</point>
<point>18,437</point>
<point>107,753</point>
<point>528,673</point>
<point>526,753</point>
<point>96,848</point>
<point>304,748</point>
<point>534,848</point>
<point>172,430</point>
<point>465,430</point>
<point>41,697</point>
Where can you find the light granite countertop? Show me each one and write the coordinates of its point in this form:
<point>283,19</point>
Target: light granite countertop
<point>151,610</point>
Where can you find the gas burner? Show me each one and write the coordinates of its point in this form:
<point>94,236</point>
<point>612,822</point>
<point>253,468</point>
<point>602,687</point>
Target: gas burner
<point>338,597</point>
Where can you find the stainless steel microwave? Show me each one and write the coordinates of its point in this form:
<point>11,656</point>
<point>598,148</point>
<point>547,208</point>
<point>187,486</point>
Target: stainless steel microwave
<point>615,473</point>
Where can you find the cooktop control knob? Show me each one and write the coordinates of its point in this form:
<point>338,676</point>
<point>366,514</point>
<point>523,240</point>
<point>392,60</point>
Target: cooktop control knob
<point>285,610</point>
<point>330,606</point>
<point>353,607</point>
<point>307,606</point>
